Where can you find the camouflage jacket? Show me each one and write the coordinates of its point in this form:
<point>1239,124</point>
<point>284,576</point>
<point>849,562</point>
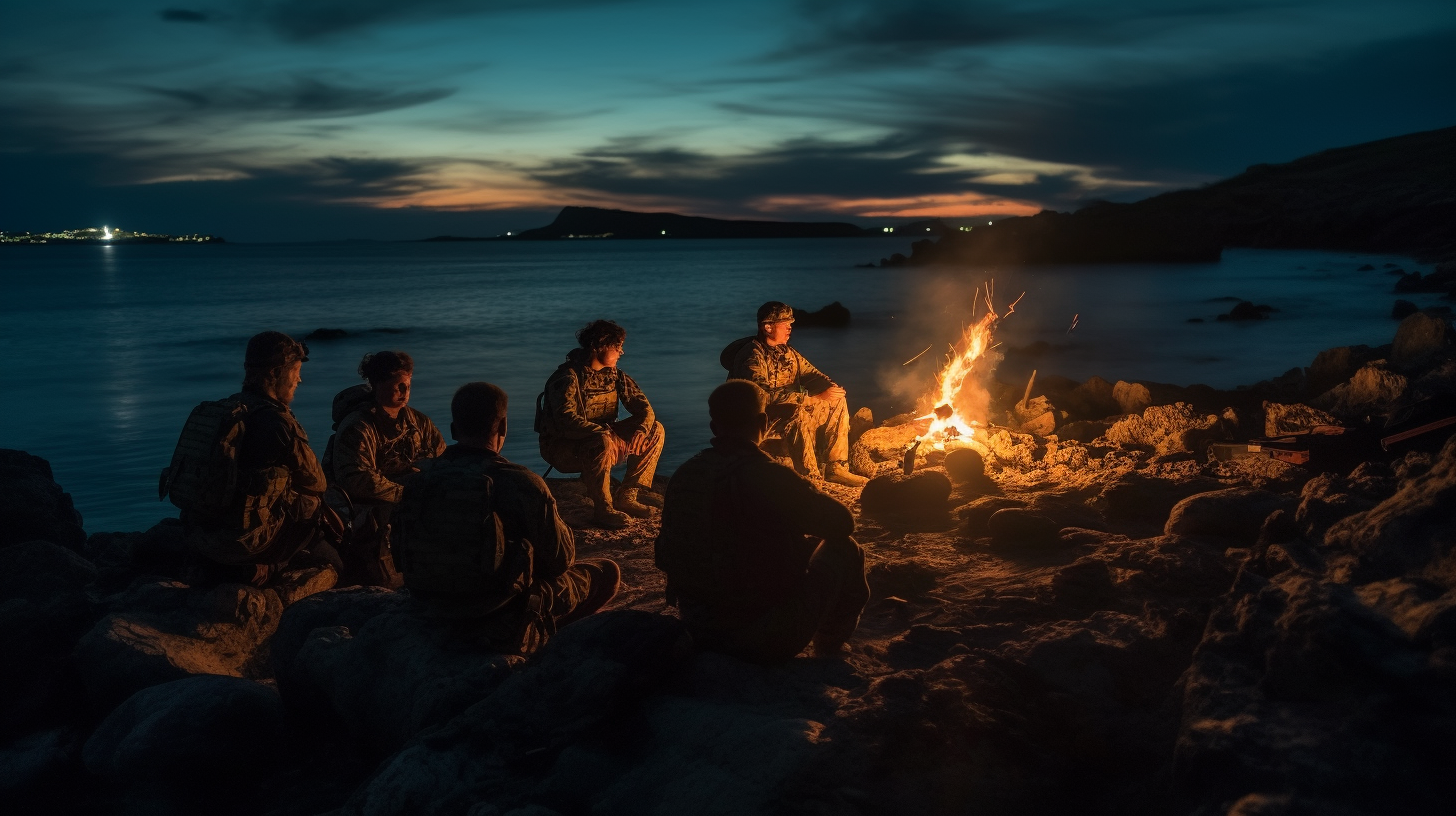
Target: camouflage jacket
<point>738,529</point>
<point>579,403</point>
<point>780,370</point>
<point>282,477</point>
<point>372,452</point>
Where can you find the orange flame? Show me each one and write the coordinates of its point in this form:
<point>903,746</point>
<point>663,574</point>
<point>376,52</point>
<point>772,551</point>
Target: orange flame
<point>948,420</point>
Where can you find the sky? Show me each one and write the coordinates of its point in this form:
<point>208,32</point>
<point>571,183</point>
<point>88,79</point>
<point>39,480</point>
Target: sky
<point>289,120</point>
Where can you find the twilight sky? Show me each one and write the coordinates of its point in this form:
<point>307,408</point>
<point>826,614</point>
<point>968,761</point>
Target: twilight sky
<point>266,120</point>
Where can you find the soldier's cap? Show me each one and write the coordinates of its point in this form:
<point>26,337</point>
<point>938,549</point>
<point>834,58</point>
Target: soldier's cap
<point>775,312</point>
<point>271,349</point>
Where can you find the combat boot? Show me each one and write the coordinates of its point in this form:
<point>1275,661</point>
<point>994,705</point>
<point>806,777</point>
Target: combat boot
<point>838,473</point>
<point>626,502</point>
<point>604,516</point>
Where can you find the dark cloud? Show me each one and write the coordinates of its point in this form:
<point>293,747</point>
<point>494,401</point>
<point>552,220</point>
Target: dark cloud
<point>180,15</point>
<point>300,20</point>
<point>299,97</point>
<point>872,33</point>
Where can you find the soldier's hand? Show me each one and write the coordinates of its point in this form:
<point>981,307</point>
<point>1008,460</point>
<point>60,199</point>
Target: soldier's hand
<point>616,447</point>
<point>833,392</point>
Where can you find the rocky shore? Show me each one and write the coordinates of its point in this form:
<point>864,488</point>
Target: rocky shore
<point>1089,610</point>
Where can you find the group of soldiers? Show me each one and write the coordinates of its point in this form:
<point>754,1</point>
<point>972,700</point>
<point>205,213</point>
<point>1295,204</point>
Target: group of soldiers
<point>758,560</point>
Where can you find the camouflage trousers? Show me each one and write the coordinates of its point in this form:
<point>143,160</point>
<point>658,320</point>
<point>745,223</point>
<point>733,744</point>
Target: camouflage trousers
<point>593,459</point>
<point>522,625</point>
<point>824,609</point>
<point>815,431</point>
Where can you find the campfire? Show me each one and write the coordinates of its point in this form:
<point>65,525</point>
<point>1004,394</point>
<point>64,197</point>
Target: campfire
<point>949,424</point>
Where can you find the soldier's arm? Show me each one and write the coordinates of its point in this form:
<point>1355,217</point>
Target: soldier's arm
<point>563,395</point>
<point>813,380</point>
<point>635,401</point>
<point>434,440</point>
<point>356,466</point>
<point>800,505</point>
<point>554,542</point>
<point>751,364</point>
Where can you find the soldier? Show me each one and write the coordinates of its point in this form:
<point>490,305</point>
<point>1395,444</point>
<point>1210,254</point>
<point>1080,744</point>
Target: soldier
<point>805,407</point>
<point>576,417</point>
<point>759,562</point>
<point>481,544</point>
<point>375,447</point>
<point>244,476</point>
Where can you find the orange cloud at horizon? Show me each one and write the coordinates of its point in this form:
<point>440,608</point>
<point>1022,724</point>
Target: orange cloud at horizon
<point>955,205</point>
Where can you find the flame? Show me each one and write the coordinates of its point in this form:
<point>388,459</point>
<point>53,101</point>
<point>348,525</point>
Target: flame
<point>947,421</point>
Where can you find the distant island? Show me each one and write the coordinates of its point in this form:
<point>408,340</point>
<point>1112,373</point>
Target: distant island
<point>1395,195</point>
<point>104,235</point>
<point>598,223</point>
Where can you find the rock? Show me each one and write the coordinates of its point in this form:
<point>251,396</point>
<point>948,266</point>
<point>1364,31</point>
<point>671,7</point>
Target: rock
<point>1246,310</point>
<point>348,608</point>
<point>1366,268</point>
<point>1093,399</point>
<point>1280,419</point>
<point>1337,365</point>
<point>1420,338</point>
<point>205,732</point>
<point>593,671</point>
<point>326,334</point>
<point>862,421</point>
<point>1235,513</point>
<point>393,677</point>
<point>901,578</point>
<point>167,631</point>
<point>925,494</point>
<point>965,466</point>
<point>1403,309</point>
<point>1086,582</point>
<point>1034,416</point>
<point>835,315</point>
<point>32,506</point>
<point>1135,496</point>
<point>1087,430</point>
<point>881,450</point>
<point>32,768</point>
<point>1131,398</point>
<point>976,515</point>
<point>1374,389</point>
<point>1167,429</point>
<point>1017,527</point>
<point>44,608</point>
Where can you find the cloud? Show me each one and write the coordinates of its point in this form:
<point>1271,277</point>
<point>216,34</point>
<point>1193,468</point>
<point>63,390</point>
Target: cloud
<point>302,20</point>
<point>180,15</point>
<point>298,97</point>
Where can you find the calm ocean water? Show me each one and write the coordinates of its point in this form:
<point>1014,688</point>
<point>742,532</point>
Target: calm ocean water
<point>108,348</point>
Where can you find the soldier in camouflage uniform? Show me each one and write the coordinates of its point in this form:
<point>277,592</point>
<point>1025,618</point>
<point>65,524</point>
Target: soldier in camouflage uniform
<point>759,562</point>
<point>805,407</point>
<point>375,447</point>
<point>480,542</point>
<point>576,417</point>
<point>281,483</point>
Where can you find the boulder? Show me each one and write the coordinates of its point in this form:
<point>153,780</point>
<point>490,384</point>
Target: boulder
<point>863,420</point>
<point>1131,398</point>
<point>1420,338</point>
<point>1374,389</point>
<point>347,608</point>
<point>1281,419</point>
<point>393,677</point>
<point>1017,527</point>
<point>44,608</point>
<point>205,732</point>
<point>167,631</point>
<point>976,515</point>
<point>965,466</point>
<point>1167,429</point>
<point>1336,365</point>
<point>1093,399</point>
<point>835,315</point>
<point>33,506</point>
<point>882,450</point>
<point>1234,513</point>
<point>1246,310</point>
<point>1087,430</point>
<point>593,671</point>
<point>924,494</point>
<point>1403,309</point>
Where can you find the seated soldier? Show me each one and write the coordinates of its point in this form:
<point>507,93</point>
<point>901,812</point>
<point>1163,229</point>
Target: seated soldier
<point>759,562</point>
<point>805,407</point>
<point>576,417</point>
<point>480,543</point>
<point>375,447</point>
<point>274,509</point>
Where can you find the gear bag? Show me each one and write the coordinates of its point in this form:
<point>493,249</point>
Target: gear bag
<point>448,537</point>
<point>203,478</point>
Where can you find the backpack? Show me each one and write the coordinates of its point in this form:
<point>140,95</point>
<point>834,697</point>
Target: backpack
<point>203,477</point>
<point>345,402</point>
<point>448,537</point>
<point>730,352</point>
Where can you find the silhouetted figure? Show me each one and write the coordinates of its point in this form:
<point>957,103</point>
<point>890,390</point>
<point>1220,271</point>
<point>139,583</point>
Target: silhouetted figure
<point>759,562</point>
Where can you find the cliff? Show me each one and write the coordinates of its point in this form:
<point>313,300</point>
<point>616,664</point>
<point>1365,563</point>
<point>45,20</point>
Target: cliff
<point>594,222</point>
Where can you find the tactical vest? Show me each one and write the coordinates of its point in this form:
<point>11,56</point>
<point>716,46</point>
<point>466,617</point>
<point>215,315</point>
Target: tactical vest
<point>448,537</point>
<point>236,508</point>
<point>345,402</point>
<point>597,401</point>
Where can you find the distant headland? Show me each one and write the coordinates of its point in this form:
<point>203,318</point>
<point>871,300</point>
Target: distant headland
<point>104,235</point>
<point>574,223</point>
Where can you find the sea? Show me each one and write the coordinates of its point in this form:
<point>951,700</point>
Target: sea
<point>107,348</point>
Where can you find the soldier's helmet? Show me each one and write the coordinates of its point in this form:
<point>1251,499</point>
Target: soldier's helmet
<point>271,349</point>
<point>775,312</point>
